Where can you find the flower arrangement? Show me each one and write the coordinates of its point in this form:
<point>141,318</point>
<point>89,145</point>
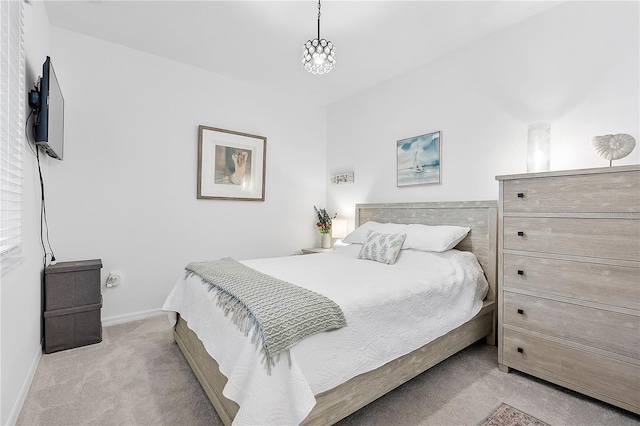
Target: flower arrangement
<point>324,220</point>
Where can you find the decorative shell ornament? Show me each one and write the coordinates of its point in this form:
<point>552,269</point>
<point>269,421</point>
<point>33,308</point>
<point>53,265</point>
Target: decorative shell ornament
<point>613,147</point>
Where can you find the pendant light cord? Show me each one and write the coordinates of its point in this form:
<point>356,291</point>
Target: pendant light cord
<point>318,19</point>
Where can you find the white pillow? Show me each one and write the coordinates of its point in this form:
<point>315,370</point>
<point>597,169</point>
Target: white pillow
<point>359,235</point>
<point>383,248</point>
<point>433,238</point>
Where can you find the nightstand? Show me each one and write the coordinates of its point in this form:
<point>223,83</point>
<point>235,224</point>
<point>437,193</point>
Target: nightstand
<point>316,250</point>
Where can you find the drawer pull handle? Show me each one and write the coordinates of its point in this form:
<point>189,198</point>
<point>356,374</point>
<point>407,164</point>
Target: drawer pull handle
<point>521,312</point>
<point>520,272</point>
<point>520,195</point>
<point>520,350</point>
<point>520,234</point>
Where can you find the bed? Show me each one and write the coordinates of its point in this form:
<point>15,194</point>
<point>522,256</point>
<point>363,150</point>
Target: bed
<point>332,405</point>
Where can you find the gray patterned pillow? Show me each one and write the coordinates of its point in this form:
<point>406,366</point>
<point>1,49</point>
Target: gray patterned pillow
<point>383,248</point>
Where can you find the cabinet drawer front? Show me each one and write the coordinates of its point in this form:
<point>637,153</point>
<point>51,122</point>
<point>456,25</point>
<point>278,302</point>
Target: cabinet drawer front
<point>608,284</point>
<point>70,289</point>
<point>591,193</point>
<point>602,375</point>
<point>606,330</point>
<point>603,238</point>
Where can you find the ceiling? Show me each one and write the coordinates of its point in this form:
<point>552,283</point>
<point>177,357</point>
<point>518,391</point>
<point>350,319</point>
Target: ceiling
<point>260,42</point>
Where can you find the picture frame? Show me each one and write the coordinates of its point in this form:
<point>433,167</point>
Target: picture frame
<point>231,165</point>
<point>419,160</point>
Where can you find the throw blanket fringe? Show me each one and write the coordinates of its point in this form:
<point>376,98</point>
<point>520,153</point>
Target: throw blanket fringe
<point>277,313</point>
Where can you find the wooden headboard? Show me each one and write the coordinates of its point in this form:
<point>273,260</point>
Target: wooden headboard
<point>480,216</point>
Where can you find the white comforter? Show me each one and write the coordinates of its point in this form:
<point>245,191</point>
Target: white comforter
<point>390,310</point>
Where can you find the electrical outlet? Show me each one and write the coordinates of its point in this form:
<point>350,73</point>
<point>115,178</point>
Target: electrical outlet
<point>113,280</point>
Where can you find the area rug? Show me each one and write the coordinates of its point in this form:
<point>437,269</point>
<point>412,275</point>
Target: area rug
<point>506,415</point>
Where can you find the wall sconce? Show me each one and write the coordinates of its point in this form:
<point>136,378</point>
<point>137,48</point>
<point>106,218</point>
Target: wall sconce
<point>338,228</point>
<point>539,147</point>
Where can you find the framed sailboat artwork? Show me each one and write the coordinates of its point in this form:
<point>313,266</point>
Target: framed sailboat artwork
<point>419,159</point>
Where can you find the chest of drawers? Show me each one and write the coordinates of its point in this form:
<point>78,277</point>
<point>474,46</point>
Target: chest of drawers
<point>569,280</point>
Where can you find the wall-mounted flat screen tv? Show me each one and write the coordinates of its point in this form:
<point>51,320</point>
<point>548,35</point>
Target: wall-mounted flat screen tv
<point>49,121</point>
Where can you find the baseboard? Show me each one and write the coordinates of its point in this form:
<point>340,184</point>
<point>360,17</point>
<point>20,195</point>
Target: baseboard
<point>135,316</point>
<point>24,390</point>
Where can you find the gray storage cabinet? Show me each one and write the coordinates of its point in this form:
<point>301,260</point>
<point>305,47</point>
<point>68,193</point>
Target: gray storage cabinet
<point>72,303</point>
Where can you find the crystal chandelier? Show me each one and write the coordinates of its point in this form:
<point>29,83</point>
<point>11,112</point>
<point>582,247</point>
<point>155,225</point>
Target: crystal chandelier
<point>318,55</point>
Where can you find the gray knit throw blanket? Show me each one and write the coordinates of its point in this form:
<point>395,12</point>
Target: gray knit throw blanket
<point>278,313</point>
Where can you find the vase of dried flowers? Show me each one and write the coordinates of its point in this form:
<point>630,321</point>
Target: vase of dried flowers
<point>326,241</point>
<point>324,226</point>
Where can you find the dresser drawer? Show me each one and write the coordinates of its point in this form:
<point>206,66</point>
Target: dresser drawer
<point>586,193</point>
<point>609,284</point>
<point>606,330</point>
<point>603,238</point>
<point>594,374</point>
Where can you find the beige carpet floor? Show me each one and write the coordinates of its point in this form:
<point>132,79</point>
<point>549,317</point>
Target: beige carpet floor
<point>137,376</point>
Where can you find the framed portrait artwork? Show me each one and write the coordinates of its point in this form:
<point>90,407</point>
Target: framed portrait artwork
<point>231,165</point>
<point>419,159</point>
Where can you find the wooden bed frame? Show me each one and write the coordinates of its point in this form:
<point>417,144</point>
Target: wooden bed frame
<point>346,398</point>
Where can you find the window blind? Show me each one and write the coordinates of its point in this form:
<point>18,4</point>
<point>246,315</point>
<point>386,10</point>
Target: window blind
<point>12,115</point>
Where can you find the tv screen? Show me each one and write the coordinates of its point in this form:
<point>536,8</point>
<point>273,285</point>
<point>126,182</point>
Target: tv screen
<point>49,126</point>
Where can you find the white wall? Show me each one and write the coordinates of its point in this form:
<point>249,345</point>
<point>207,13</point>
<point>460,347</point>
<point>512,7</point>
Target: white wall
<point>21,303</point>
<point>576,65</point>
<point>126,189</point>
